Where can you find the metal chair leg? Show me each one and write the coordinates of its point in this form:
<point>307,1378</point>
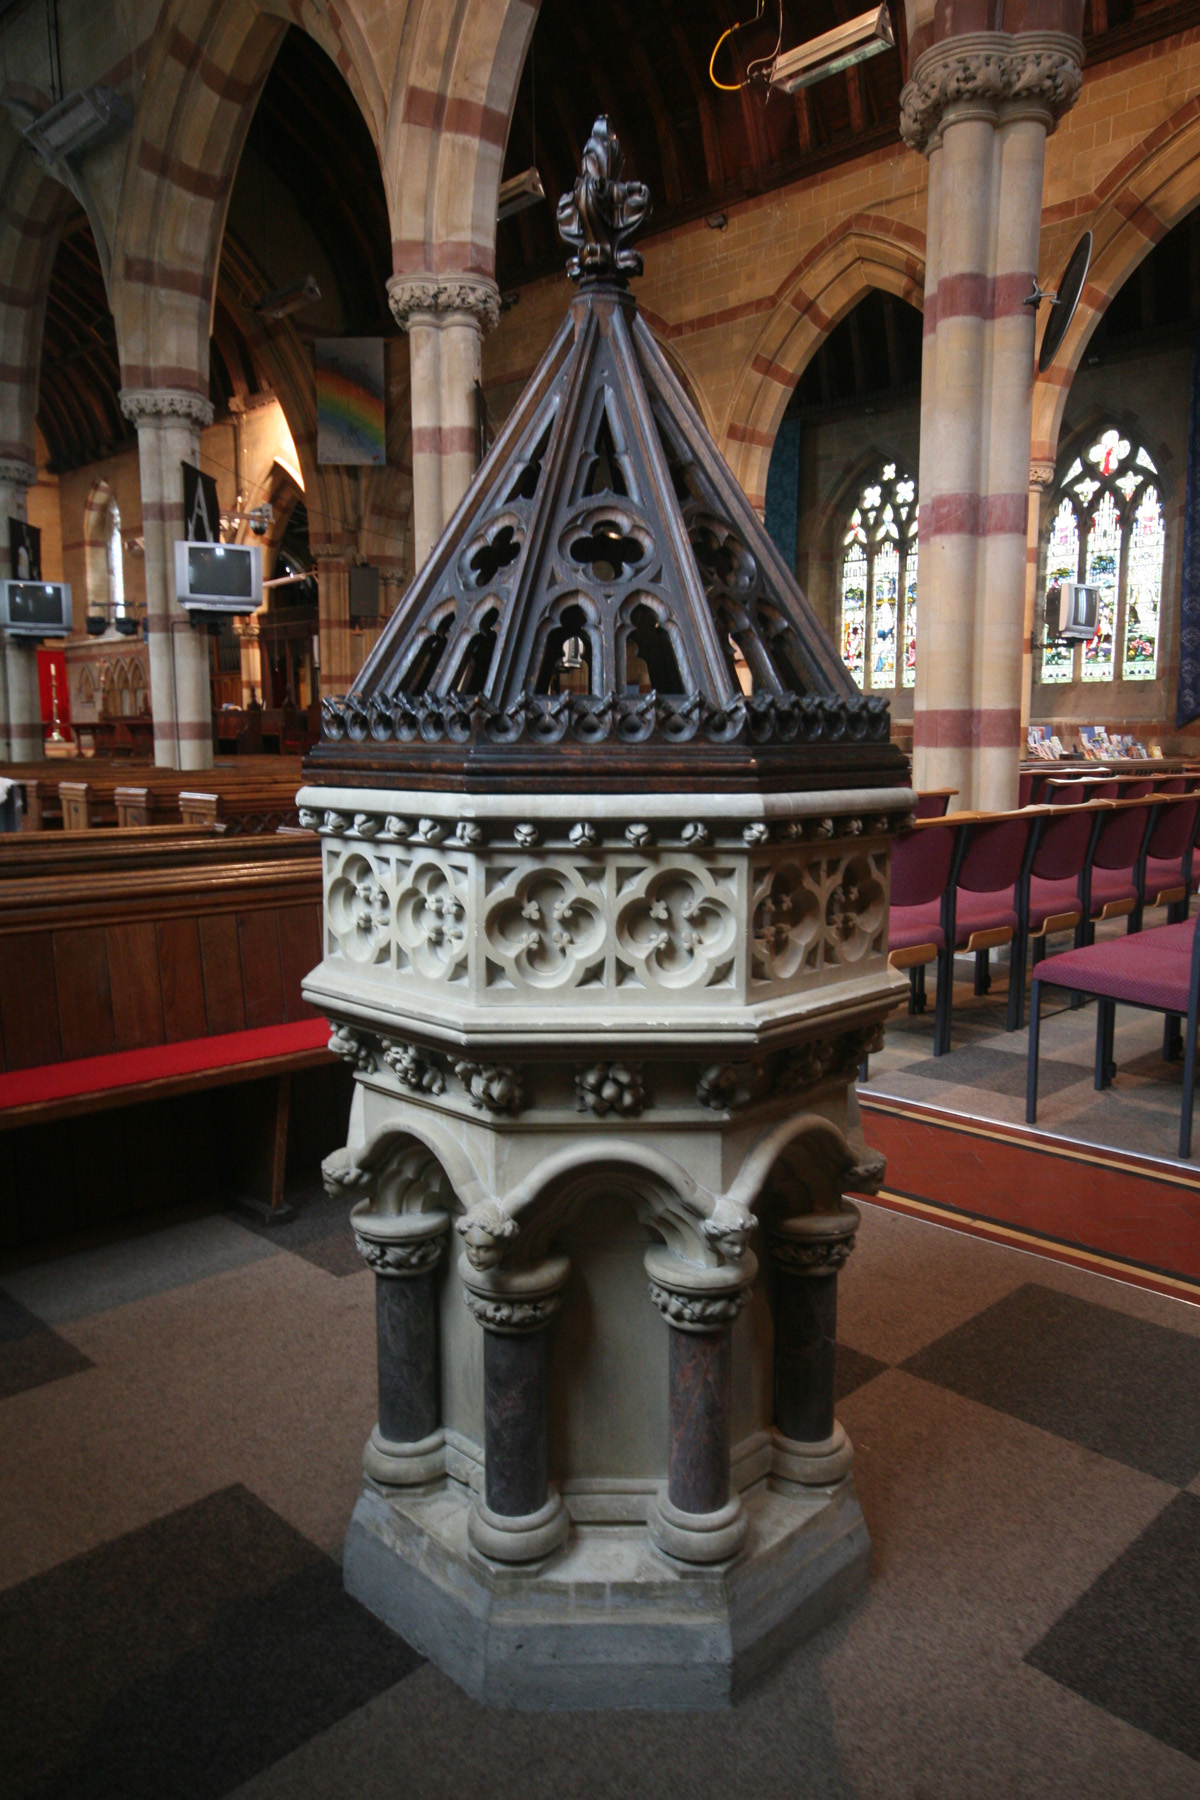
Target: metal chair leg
<point>983,971</point>
<point>1031,1071</point>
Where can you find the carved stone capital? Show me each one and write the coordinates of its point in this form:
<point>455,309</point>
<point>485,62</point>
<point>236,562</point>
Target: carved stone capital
<point>815,1243</point>
<point>1041,475</point>
<point>408,1256</point>
<point>17,473</point>
<point>1035,70</point>
<point>165,406</point>
<point>420,296</point>
<point>698,1312</point>
<point>525,1300</point>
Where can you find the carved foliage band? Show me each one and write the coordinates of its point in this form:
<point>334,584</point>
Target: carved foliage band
<point>413,1256</point>
<point>512,1315</point>
<point>410,295</point>
<point>698,1312</point>
<point>165,406</point>
<point>1040,70</point>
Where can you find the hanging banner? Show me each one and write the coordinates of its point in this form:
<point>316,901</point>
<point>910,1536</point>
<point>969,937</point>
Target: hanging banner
<point>351,425</point>
<point>1187,704</point>
<point>201,508</point>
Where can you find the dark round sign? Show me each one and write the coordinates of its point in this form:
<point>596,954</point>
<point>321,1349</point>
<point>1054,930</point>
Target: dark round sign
<point>1062,309</point>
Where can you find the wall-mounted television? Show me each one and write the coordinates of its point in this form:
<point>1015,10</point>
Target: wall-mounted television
<point>35,609</point>
<point>1078,610</point>
<point>218,578</point>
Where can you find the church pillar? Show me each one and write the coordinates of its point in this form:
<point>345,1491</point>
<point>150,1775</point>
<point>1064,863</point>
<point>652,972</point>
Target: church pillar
<point>446,318</point>
<point>696,1520</point>
<point>520,1518</point>
<point>406,1447</point>
<point>20,707</point>
<point>979,105</point>
<point>808,1251</point>
<point>169,422</point>
<point>1041,476</point>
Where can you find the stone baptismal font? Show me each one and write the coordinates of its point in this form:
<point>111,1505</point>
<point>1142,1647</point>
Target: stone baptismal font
<point>606,834</point>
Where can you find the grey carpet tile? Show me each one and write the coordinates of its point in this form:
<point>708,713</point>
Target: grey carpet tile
<point>1118,1385</point>
<point>1131,1644</point>
<point>16,1321</point>
<point>319,1231</point>
<point>853,1370</point>
<point>33,1356</point>
<point>1000,1071</point>
<point>182,1659</point>
<point>115,1274</point>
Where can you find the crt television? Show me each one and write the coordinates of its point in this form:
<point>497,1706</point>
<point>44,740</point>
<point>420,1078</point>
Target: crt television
<point>1078,610</point>
<point>35,609</point>
<point>218,578</point>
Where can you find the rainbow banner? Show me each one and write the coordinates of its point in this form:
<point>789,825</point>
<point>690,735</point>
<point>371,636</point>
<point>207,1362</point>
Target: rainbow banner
<point>351,426</point>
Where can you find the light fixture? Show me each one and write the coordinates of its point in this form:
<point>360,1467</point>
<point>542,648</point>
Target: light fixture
<point>833,51</point>
<point>75,123</point>
<point>289,299</point>
<point>716,221</point>
<point>519,192</point>
<point>572,653</point>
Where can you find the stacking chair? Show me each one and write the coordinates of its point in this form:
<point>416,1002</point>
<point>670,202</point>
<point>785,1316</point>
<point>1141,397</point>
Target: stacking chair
<point>1108,887</point>
<point>1158,970</point>
<point>1165,876</point>
<point>933,802</point>
<point>921,863</point>
<point>978,910</point>
<point>1048,891</point>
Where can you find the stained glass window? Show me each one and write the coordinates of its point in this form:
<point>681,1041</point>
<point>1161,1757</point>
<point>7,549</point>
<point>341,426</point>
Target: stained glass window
<point>879,582</point>
<point>1108,530</point>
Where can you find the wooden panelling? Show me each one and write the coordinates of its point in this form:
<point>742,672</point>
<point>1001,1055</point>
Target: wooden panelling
<point>136,987</point>
<point>85,1013</point>
<point>29,1001</point>
<point>184,1015</point>
<point>300,950</point>
<point>222,973</point>
<point>262,971</point>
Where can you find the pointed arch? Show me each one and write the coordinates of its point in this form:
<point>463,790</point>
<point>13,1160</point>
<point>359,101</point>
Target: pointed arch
<point>865,251</point>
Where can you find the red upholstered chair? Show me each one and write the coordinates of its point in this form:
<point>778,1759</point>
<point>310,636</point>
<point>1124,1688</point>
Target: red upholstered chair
<point>1158,970</point>
<point>933,805</point>
<point>1166,876</point>
<point>979,908</point>
<point>1109,885</point>
<point>920,873</point>
<point>1048,891</point>
<point>1025,790</point>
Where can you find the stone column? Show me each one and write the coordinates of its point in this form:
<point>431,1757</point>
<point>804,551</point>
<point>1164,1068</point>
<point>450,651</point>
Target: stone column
<point>333,617</point>
<point>406,1447</point>
<point>696,1519</point>
<point>807,1251</point>
<point>20,705</point>
<point>979,105</point>
<point>520,1518</point>
<point>169,422</point>
<point>1041,478</point>
<point>446,318</point>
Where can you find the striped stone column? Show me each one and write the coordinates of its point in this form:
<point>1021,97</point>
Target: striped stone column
<point>169,422</point>
<point>446,318</point>
<point>20,707</point>
<point>979,105</point>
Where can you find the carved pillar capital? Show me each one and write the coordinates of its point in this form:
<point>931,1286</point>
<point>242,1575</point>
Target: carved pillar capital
<point>815,1243</point>
<point>1041,475</point>
<point>166,406</point>
<point>513,1302</point>
<point>432,298</point>
<point>17,473</point>
<point>1034,72</point>
<point>399,1244</point>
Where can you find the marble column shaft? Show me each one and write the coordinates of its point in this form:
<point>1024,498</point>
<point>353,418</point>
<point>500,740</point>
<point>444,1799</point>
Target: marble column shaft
<point>808,1251</point>
<point>700,1376</point>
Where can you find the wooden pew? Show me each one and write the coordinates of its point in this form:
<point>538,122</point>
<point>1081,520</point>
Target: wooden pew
<point>243,808</point>
<point>154,966</point>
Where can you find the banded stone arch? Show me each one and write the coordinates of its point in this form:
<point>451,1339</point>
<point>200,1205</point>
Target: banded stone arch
<point>34,208</point>
<point>1150,191</point>
<point>865,251</point>
<point>452,100</point>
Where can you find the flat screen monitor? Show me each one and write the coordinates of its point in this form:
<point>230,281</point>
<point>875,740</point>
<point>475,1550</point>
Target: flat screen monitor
<point>35,609</point>
<point>218,578</point>
<point>1078,610</point>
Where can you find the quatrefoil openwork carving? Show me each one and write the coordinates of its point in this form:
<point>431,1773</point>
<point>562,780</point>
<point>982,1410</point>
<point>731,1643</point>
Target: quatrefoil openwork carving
<point>786,930</point>
<point>490,554</point>
<point>677,928</point>
<point>359,911</point>
<point>854,907</point>
<point>609,543</point>
<point>544,926</point>
<point>431,919</point>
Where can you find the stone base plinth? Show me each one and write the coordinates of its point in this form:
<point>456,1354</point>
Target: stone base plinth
<point>608,1620</point>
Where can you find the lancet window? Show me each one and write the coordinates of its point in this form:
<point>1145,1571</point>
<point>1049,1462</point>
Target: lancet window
<point>1107,528</point>
<point>879,583</point>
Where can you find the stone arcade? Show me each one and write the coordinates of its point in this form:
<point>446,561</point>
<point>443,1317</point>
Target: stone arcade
<point>606,833</point>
